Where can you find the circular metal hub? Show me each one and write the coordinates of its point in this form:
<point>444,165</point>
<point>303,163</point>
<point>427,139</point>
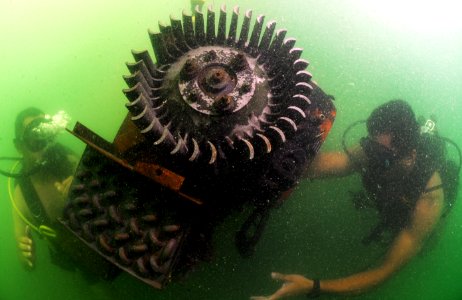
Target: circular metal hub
<point>216,80</point>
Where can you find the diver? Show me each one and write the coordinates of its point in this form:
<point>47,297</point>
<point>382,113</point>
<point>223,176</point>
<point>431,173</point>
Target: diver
<point>406,177</point>
<point>41,184</point>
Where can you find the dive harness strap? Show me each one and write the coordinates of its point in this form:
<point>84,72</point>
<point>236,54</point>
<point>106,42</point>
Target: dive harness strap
<point>35,206</point>
<point>434,188</point>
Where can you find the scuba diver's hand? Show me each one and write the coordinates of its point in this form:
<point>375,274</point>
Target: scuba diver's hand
<point>27,249</point>
<point>63,187</point>
<point>293,285</point>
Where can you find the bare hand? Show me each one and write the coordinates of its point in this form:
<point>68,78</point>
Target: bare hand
<point>63,187</point>
<point>293,285</point>
<point>27,249</point>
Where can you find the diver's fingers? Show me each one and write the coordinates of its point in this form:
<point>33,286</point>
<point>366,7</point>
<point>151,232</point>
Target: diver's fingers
<point>63,187</point>
<point>279,294</point>
<point>59,186</point>
<point>279,276</point>
<point>27,254</point>
<point>68,180</point>
<point>283,292</point>
<point>25,247</point>
<point>27,258</point>
<point>26,241</point>
<point>29,263</point>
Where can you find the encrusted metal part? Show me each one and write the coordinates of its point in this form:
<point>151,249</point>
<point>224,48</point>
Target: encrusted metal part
<point>215,87</point>
<point>218,121</point>
<point>140,237</point>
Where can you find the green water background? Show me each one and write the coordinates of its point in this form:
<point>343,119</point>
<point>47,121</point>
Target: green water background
<point>70,55</point>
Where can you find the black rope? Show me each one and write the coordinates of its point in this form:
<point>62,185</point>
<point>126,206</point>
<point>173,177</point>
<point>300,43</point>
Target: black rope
<point>449,141</point>
<point>35,169</point>
<point>345,134</point>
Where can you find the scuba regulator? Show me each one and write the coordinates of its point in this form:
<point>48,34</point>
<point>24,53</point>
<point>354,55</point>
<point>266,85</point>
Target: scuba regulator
<point>427,127</point>
<point>42,132</point>
<point>38,136</point>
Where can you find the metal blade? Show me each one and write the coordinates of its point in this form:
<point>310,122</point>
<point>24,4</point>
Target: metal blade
<point>210,26</point>
<point>295,54</point>
<point>162,56</point>
<point>301,101</point>
<point>244,30</point>
<point>255,37</point>
<point>250,148</point>
<point>213,152</point>
<point>300,65</point>
<point>303,88</point>
<point>136,78</point>
<point>188,29</point>
<point>199,26</point>
<point>196,150</point>
<point>285,122</point>
<point>279,133</point>
<point>266,142</point>
<point>137,106</point>
<point>265,42</point>
<point>277,43</point>
<point>141,67</point>
<point>133,93</point>
<point>169,41</point>
<point>177,30</point>
<point>221,35</point>
<point>233,27</point>
<point>295,113</point>
<point>146,58</point>
<point>303,76</point>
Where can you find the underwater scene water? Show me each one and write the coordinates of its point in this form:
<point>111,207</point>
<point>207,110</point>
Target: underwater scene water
<point>70,55</point>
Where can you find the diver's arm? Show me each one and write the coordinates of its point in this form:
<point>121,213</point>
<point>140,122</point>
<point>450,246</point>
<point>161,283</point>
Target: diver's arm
<point>406,245</point>
<point>334,164</point>
<point>24,240</point>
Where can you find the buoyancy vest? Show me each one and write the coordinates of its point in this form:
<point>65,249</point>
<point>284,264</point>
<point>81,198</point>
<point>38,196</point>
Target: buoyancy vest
<point>395,198</point>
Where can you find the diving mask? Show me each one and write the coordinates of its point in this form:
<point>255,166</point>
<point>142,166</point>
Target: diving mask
<point>41,132</point>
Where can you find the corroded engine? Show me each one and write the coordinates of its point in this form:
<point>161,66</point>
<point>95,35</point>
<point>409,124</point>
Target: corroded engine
<point>219,123</point>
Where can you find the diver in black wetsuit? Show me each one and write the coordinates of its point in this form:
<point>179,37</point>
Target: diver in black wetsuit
<point>39,195</point>
<point>402,173</point>
<point>41,186</point>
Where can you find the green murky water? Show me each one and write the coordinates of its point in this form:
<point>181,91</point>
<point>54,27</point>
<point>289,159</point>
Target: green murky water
<point>70,55</point>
